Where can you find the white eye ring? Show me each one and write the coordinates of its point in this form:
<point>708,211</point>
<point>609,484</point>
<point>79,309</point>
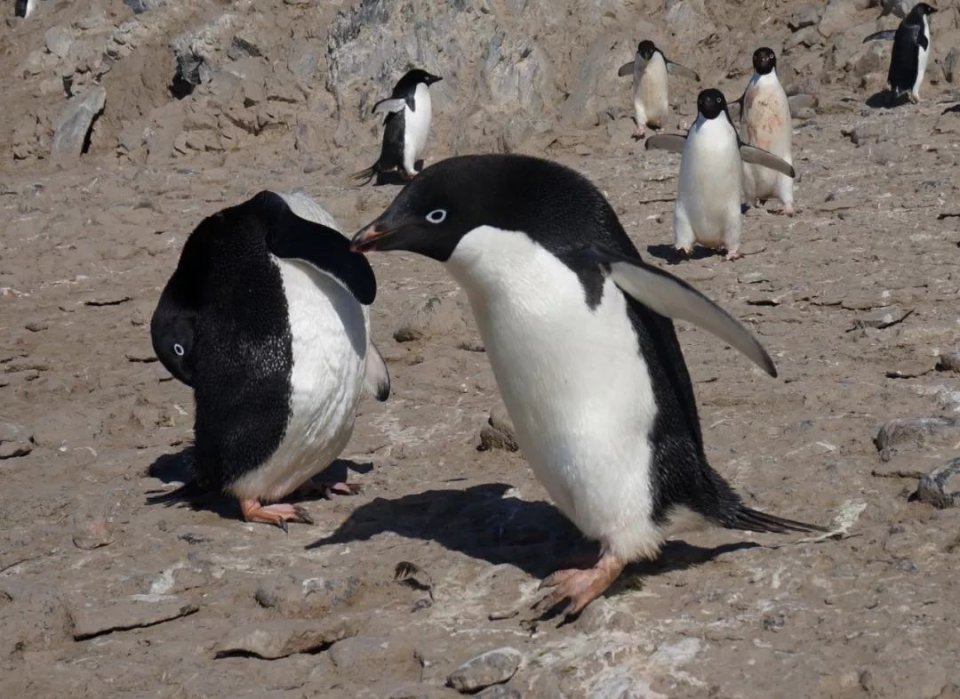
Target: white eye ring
<point>437,216</point>
<point>178,349</point>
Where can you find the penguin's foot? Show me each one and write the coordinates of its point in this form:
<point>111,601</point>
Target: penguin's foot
<point>639,134</point>
<point>407,176</point>
<point>277,514</point>
<point>788,210</point>
<point>914,99</point>
<point>327,489</point>
<point>580,586</point>
<point>733,255</point>
<point>683,250</point>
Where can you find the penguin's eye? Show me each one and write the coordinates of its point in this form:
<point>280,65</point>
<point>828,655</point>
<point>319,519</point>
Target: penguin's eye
<point>437,216</point>
<point>178,349</point>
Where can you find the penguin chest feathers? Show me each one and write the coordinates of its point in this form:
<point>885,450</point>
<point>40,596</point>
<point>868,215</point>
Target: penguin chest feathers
<point>416,126</point>
<point>766,116</point>
<point>328,329</point>
<point>573,380</point>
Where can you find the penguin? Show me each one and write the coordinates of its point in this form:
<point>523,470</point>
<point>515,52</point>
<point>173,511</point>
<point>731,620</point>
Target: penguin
<point>766,123</point>
<point>911,51</point>
<point>24,8</point>
<point>711,177</point>
<point>406,126</point>
<point>650,97</point>
<point>579,331</point>
<point>266,319</point>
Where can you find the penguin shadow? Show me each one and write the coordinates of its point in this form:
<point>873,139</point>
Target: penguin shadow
<point>672,256</point>
<point>177,468</point>
<point>394,177</point>
<point>483,524</point>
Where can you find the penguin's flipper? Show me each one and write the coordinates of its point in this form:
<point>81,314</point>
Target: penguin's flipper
<point>758,156</point>
<point>672,142</point>
<point>756,521</point>
<point>376,378</point>
<point>801,101</point>
<point>293,238</point>
<point>682,71</point>
<point>669,296</point>
<point>954,108</point>
<point>885,35</point>
<point>365,175</point>
<point>389,105</point>
<point>626,69</point>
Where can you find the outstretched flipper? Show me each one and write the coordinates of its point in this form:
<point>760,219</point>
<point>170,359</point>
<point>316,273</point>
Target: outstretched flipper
<point>626,69</point>
<point>682,71</point>
<point>672,142</point>
<point>376,379</point>
<point>885,35</point>
<point>669,296</point>
<point>756,521</point>
<point>389,105</point>
<point>758,156</point>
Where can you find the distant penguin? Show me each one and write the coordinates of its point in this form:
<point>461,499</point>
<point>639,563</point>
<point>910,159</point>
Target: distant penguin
<point>266,319</point>
<point>25,8</point>
<point>911,52</point>
<point>766,123</point>
<point>406,126</point>
<point>711,177</point>
<point>650,95</point>
<point>579,334</point>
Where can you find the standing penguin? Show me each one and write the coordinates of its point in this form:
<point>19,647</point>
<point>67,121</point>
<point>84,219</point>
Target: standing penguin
<point>766,123</point>
<point>711,177</point>
<point>650,96</point>
<point>405,129</point>
<point>24,8</point>
<point>266,319</point>
<point>911,51</point>
<point>579,334</point>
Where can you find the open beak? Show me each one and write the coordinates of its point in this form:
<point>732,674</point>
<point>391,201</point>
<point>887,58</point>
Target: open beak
<point>366,240</point>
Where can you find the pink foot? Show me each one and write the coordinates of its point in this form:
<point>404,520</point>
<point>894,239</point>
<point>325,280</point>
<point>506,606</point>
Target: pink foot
<point>684,251</point>
<point>581,587</point>
<point>733,255</point>
<point>277,514</point>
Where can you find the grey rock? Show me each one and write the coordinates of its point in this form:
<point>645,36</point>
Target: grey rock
<point>941,487</point>
<point>492,667</point>
<point>918,433</point>
<point>15,439</point>
<point>950,72</point>
<point>803,17</point>
<point>392,657</point>
<point>498,433</point>
<point>499,691</point>
<point>90,619</point>
<point>140,6</point>
<point>75,121</point>
<point>898,8</point>
<point>295,596</point>
<point>58,41</point>
<point>838,15</point>
<point>432,316</point>
<point>949,361</point>
<point>278,639</point>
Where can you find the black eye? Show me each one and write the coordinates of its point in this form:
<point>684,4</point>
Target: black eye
<point>178,349</point>
<point>437,216</point>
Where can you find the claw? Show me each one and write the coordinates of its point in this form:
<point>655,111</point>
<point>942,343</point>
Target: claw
<point>277,514</point>
<point>579,586</point>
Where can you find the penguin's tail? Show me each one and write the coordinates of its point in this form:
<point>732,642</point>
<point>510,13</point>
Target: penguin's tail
<point>756,521</point>
<point>364,176</point>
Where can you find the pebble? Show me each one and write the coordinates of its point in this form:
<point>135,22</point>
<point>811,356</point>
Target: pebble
<point>15,439</point>
<point>431,317</point>
<point>916,432</point>
<point>498,691</point>
<point>280,638</point>
<point>91,620</point>
<point>492,667</point>
<point>941,487</point>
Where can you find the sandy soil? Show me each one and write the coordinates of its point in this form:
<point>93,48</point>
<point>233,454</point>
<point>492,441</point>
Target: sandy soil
<point>105,593</point>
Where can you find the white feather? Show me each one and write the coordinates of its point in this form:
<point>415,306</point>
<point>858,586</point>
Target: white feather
<point>767,124</point>
<point>416,127</point>
<point>650,96</point>
<point>922,58</point>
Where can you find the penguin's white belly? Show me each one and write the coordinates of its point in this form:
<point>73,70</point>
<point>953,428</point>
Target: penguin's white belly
<point>416,127</point>
<point>766,124</point>
<point>650,96</point>
<point>922,56</point>
<point>329,339</point>
<point>573,381</point>
<point>711,186</point>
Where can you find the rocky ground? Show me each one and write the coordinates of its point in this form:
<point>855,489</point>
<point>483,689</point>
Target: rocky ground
<point>104,172</point>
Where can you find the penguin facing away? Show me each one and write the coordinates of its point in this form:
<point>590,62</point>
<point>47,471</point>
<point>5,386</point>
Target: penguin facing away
<point>408,112</point>
<point>579,334</point>
<point>911,52</point>
<point>266,319</point>
<point>24,8</point>
<point>766,123</point>
<point>650,95</point>
<point>710,190</point>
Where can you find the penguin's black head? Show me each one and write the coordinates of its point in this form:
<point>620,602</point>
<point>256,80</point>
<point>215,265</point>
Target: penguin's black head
<point>448,200</point>
<point>173,330</point>
<point>764,60</point>
<point>921,9</point>
<point>711,103</point>
<point>646,49</point>
<point>416,76</point>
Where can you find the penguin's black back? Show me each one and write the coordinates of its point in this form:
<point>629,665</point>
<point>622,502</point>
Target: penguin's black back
<point>243,349</point>
<point>905,59</point>
<point>391,153</point>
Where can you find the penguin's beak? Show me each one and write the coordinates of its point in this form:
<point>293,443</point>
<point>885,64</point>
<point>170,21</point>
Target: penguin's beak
<point>377,236</point>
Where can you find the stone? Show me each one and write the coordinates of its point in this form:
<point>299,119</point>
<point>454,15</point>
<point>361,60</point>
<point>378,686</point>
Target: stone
<point>493,667</point>
<point>498,691</point>
<point>90,620</point>
<point>950,72</point>
<point>280,638</point>
<point>74,123</point>
<point>293,596</point>
<point>432,316</point>
<point>918,433</point>
<point>949,361</point>
<point>941,487</point>
<point>58,41</point>
<point>15,439</point>
<point>498,433</point>
<point>837,16</point>
<point>803,17</point>
<point>392,657</point>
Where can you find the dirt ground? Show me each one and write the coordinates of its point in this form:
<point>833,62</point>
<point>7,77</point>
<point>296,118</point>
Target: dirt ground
<point>105,593</point>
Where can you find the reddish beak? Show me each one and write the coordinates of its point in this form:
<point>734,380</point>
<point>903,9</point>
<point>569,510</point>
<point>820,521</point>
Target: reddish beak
<point>366,240</point>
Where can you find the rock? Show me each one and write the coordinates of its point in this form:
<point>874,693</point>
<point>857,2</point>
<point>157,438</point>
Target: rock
<point>58,41</point>
<point>91,620</point>
<point>882,317</point>
<point>806,16</point>
<point>498,432</point>
<point>492,667</point>
<point>950,64</point>
<point>278,639</point>
<point>140,6</point>
<point>919,433</point>
<point>293,596</point>
<point>949,361</point>
<point>415,690</point>
<point>92,534</point>
<point>431,317</point>
<point>74,123</point>
<point>391,657</point>
<point>15,439</point>
<point>941,487</point>
<point>498,691</point>
<point>837,16</point>
<point>898,8</point>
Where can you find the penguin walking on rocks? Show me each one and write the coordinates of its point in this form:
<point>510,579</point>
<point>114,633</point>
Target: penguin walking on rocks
<point>911,52</point>
<point>765,122</point>
<point>24,8</point>
<point>405,128</point>
<point>266,319</point>
<point>650,96</point>
<point>708,207</point>
<point>580,336</point>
